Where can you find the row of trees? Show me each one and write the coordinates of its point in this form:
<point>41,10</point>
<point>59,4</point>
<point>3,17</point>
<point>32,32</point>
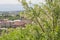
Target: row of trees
<point>10,17</point>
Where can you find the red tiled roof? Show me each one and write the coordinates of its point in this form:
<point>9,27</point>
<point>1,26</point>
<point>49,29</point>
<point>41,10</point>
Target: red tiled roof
<point>19,23</point>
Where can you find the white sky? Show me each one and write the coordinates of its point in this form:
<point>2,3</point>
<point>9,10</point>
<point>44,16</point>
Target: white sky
<point>9,2</point>
<point>16,1</point>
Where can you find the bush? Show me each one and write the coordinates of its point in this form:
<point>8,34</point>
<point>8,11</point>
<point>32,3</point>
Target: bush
<point>31,32</point>
<point>28,33</point>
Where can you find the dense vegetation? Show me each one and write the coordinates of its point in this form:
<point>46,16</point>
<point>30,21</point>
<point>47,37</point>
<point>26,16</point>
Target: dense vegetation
<point>10,17</point>
<point>46,22</point>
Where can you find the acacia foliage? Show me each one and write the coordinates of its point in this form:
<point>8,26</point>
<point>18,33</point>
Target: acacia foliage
<point>47,16</point>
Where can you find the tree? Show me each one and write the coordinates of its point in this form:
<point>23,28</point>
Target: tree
<point>46,16</point>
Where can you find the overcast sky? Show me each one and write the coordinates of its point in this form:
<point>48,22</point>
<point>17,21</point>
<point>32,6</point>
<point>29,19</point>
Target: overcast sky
<point>8,2</point>
<point>13,5</point>
<point>16,1</point>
